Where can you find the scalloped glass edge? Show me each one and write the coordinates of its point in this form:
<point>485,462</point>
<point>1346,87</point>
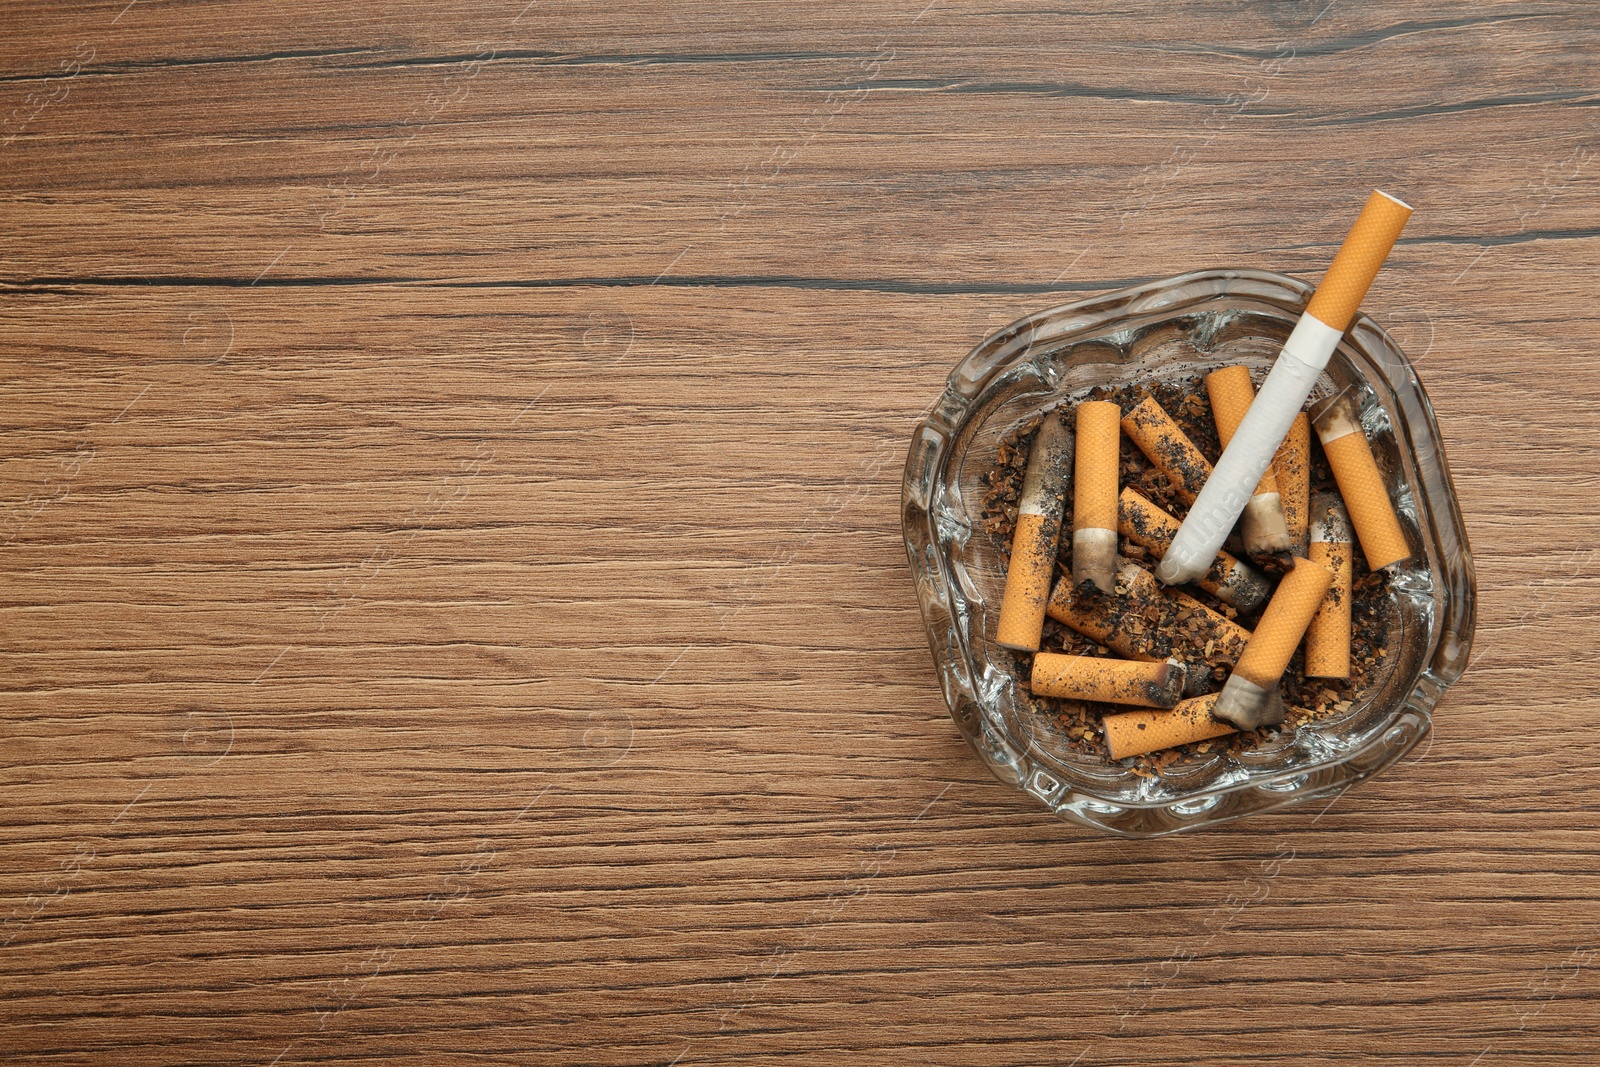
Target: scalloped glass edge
<point>1028,362</point>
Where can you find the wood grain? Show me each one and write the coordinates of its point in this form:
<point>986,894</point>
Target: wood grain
<point>453,607</point>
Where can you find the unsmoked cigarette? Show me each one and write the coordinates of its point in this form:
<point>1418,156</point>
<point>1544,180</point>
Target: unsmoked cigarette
<point>1298,366</point>
<point>1134,733</point>
<point>1292,465</point>
<point>1262,525</point>
<point>1328,637</point>
<point>1111,681</point>
<point>1094,494</point>
<point>1038,533</point>
<point>1250,698</point>
<point>1365,496</point>
<point>1229,580</point>
<point>1168,448</point>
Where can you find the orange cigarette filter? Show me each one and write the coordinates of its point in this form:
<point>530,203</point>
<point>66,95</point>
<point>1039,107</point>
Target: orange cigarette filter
<point>1229,580</point>
<point>1038,533</point>
<point>1328,637</point>
<point>1150,427</point>
<point>1250,698</point>
<point>1283,624</point>
<point>1262,523</point>
<point>1134,733</point>
<point>1366,498</point>
<point>1111,681</point>
<point>1094,494</point>
<point>1356,263</point>
<point>1292,464</point>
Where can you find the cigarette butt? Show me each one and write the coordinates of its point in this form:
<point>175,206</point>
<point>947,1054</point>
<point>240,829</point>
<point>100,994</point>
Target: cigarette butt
<point>1168,448</point>
<point>1198,626</point>
<point>1262,523</point>
<point>1111,681</point>
<point>1038,533</point>
<point>1284,622</point>
<point>1134,733</point>
<point>1328,637</point>
<point>1356,264</point>
<point>1121,620</point>
<point>1365,496</point>
<point>1228,579</point>
<point>1250,697</point>
<point>1249,706</point>
<point>1305,354</point>
<point>1292,465</point>
<point>1094,494</point>
<point>1144,620</point>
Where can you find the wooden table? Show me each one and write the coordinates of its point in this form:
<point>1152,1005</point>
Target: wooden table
<point>453,602</point>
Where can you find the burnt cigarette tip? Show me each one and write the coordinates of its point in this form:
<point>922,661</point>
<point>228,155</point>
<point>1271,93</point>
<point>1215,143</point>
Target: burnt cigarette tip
<point>1049,465</point>
<point>1196,678</point>
<point>1330,522</point>
<point>1172,686</point>
<point>1265,530</point>
<point>1248,589</point>
<point>1094,559</point>
<point>1173,572</point>
<point>1340,408</point>
<point>1247,705</point>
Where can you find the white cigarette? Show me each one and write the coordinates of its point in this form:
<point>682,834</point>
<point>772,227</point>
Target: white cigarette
<point>1284,393</point>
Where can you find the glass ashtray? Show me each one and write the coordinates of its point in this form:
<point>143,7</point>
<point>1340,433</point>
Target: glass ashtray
<point>1192,323</point>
